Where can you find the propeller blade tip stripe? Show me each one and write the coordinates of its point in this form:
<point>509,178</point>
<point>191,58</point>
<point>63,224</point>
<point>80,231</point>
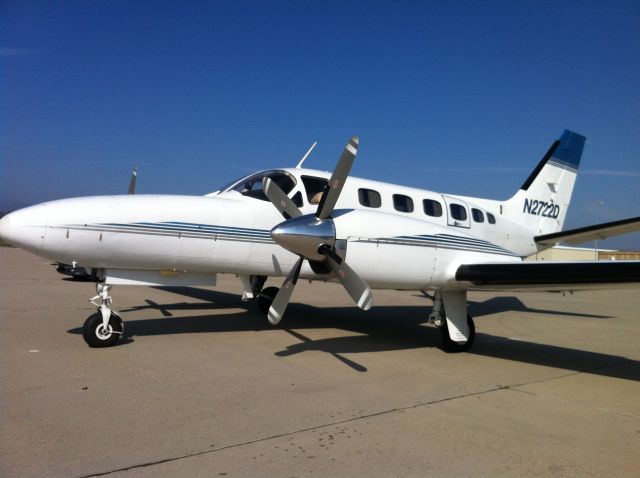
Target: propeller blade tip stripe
<point>366,301</point>
<point>273,316</point>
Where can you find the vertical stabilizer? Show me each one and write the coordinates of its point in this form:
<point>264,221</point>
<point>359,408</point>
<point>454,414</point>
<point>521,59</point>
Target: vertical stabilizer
<point>541,203</point>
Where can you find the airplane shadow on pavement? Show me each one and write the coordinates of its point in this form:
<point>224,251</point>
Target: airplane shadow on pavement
<point>383,328</point>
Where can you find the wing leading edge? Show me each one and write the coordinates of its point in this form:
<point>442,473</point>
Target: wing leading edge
<point>552,275</point>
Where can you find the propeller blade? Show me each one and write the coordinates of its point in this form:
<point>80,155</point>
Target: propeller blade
<point>352,282</point>
<point>339,176</point>
<point>281,300</point>
<point>279,199</point>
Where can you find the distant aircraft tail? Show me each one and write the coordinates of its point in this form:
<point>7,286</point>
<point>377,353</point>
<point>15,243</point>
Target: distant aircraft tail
<point>541,203</point>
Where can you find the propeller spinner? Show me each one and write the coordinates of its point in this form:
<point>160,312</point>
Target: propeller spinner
<point>313,237</point>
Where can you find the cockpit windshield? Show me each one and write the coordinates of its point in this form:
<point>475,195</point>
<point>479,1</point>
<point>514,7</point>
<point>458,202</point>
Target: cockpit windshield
<point>252,186</point>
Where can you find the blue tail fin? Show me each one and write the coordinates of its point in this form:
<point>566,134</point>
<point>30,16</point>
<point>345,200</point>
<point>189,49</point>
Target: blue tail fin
<point>542,201</point>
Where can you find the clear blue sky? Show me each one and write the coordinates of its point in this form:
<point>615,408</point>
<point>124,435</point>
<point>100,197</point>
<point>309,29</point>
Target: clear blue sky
<point>458,97</point>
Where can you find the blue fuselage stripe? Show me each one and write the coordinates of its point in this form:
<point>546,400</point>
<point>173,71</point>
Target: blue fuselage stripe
<point>230,233</point>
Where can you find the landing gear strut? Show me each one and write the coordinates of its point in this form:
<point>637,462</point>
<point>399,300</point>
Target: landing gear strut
<point>104,328</point>
<point>449,314</point>
<point>253,290</point>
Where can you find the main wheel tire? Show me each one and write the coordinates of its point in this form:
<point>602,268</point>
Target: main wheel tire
<point>265,298</point>
<point>96,336</point>
<point>451,346</point>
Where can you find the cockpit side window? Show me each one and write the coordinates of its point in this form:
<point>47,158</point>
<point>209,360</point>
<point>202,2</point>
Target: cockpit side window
<point>252,186</point>
<point>315,187</point>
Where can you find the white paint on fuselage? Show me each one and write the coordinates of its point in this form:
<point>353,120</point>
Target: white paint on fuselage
<point>505,233</point>
<point>135,232</point>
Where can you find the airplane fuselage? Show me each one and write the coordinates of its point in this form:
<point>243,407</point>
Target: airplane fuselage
<point>303,223</point>
<point>229,232</point>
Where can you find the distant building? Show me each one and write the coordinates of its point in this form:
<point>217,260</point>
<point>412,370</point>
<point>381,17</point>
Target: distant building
<point>619,255</point>
<point>563,253</point>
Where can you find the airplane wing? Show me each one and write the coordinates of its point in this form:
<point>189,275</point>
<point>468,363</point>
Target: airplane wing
<point>574,275</point>
<point>590,233</point>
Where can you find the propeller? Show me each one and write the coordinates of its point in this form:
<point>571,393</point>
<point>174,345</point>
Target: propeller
<point>280,200</point>
<point>313,237</point>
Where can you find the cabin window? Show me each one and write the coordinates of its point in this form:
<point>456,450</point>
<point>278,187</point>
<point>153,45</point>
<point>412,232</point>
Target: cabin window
<point>491,218</point>
<point>315,188</point>
<point>402,203</point>
<point>477,215</point>
<point>297,199</point>
<point>458,212</point>
<point>432,208</point>
<point>369,197</point>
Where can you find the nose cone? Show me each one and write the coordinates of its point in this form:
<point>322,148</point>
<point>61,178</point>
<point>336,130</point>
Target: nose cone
<point>5,228</point>
<point>25,228</point>
<point>304,235</point>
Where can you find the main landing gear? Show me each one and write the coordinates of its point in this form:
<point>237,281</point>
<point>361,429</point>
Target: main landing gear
<point>449,314</point>
<point>265,298</point>
<point>254,290</point>
<point>453,346</point>
<point>105,327</point>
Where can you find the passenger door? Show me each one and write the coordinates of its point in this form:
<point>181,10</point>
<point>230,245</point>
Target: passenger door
<point>457,212</point>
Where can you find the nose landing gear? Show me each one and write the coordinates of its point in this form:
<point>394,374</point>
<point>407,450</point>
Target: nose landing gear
<point>105,327</point>
<point>96,335</point>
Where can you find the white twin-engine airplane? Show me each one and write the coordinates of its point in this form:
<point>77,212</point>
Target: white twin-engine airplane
<point>364,234</point>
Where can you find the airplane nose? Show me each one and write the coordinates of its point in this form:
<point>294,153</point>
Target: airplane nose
<point>5,229</point>
<point>25,228</point>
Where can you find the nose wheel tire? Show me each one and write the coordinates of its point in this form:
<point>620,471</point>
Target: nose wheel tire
<point>449,345</point>
<point>265,298</point>
<point>96,335</point>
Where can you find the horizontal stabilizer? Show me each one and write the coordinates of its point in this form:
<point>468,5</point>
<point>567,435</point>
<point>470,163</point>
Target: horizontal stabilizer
<point>550,275</point>
<point>591,233</point>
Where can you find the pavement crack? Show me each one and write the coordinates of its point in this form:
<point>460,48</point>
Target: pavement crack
<point>517,389</point>
<point>563,400</point>
<point>294,432</point>
<point>514,387</point>
<point>568,374</point>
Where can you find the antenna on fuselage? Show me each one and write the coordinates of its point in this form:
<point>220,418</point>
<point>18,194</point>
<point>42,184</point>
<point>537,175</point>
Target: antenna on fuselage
<point>132,182</point>
<point>307,154</point>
